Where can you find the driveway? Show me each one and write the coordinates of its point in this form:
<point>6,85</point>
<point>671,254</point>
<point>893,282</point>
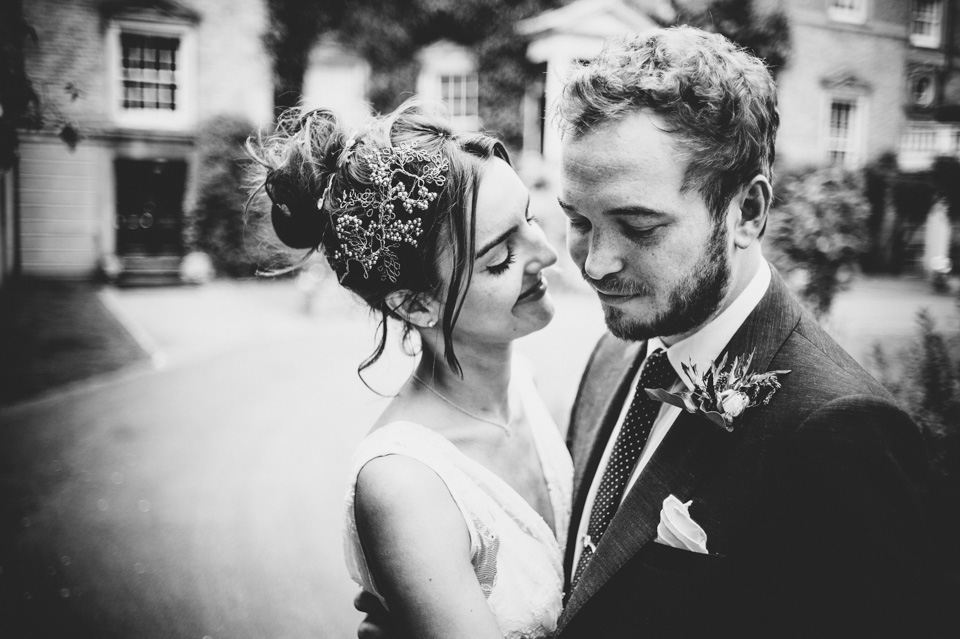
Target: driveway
<point>201,496</point>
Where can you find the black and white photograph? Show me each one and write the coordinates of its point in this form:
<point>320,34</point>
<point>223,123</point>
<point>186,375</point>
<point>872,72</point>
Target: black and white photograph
<point>479,319</point>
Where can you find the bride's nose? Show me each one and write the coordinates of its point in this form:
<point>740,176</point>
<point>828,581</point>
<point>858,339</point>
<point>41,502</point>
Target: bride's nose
<point>543,254</point>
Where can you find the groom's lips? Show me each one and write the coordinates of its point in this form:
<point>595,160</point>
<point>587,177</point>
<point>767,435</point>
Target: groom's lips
<point>535,292</point>
<point>614,298</point>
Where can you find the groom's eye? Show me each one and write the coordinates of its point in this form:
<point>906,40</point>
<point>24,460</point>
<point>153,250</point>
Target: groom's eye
<point>642,232</point>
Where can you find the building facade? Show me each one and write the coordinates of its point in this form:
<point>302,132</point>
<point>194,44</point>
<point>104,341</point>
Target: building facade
<point>863,78</point>
<point>868,77</point>
<point>126,84</point>
<point>124,88</point>
<point>559,39</point>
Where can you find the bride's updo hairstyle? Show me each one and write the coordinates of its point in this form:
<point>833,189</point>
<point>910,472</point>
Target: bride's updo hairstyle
<point>382,203</point>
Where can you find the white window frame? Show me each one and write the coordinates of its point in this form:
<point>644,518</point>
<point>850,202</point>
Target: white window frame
<point>460,92</point>
<point>184,115</point>
<point>855,148</point>
<point>852,11</point>
<point>445,60</point>
<point>933,16</point>
<point>339,80</point>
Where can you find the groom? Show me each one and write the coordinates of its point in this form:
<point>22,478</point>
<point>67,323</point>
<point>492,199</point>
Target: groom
<point>804,520</point>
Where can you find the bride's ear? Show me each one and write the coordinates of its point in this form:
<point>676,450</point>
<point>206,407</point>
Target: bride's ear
<point>419,309</point>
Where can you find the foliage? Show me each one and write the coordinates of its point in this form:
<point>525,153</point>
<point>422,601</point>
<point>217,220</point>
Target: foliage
<point>946,180</point>
<point>923,378</point>
<point>913,196</point>
<point>819,226</point>
<point>216,225</point>
<point>766,34</point>
<point>19,103</point>
<point>294,27</point>
<point>900,203</point>
<point>878,175</point>
<point>389,35</point>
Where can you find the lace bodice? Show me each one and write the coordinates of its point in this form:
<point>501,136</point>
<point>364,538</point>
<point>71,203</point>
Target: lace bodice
<point>517,559</point>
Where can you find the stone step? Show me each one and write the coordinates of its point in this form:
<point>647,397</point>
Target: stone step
<point>149,270</point>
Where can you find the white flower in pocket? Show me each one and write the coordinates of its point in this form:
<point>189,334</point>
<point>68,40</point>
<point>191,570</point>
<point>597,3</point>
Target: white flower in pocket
<point>677,528</point>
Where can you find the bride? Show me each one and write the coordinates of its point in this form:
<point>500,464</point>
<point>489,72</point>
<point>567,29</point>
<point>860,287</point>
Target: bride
<point>460,495</point>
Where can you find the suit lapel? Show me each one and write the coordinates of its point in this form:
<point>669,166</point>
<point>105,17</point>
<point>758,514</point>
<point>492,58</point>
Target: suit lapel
<point>691,448</point>
<point>602,404</point>
<point>768,326</point>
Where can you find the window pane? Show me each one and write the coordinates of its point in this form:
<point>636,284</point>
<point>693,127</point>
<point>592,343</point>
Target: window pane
<point>148,67</point>
<point>926,18</point>
<point>840,142</point>
<point>459,93</point>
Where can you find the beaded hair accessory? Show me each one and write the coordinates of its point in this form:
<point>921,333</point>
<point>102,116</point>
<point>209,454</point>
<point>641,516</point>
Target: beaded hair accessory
<point>372,223</point>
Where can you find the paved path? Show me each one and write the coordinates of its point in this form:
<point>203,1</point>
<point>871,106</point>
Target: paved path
<point>201,496</point>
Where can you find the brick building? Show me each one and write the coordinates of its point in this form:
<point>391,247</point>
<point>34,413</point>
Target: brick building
<point>867,77</point>
<point>864,77</point>
<point>135,80</point>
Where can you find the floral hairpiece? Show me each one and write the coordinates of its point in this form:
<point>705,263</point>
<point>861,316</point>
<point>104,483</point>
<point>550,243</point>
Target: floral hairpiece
<point>401,175</point>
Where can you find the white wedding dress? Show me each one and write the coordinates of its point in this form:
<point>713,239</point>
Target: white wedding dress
<point>517,558</point>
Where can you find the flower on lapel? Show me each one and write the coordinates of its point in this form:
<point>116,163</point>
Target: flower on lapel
<point>724,391</point>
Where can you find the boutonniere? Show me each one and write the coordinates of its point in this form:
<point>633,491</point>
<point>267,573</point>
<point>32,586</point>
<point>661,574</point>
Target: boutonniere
<point>722,392</point>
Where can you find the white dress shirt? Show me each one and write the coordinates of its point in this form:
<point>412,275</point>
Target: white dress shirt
<point>701,348</point>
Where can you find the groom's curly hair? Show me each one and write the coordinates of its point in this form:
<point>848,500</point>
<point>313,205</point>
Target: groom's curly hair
<point>719,100</point>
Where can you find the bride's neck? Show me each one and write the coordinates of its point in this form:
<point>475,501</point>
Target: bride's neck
<point>486,374</point>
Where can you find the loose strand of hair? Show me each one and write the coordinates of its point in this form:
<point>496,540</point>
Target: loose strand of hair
<point>374,357</point>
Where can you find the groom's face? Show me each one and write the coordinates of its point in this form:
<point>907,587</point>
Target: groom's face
<point>652,251</point>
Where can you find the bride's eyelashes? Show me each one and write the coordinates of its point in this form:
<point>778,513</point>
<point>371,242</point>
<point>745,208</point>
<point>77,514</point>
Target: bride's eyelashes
<point>497,269</point>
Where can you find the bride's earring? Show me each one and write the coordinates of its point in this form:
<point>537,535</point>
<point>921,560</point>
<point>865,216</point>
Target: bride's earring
<point>431,323</point>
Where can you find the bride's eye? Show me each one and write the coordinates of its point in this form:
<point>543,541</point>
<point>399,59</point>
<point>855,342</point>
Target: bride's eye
<point>497,269</point>
<point>533,219</point>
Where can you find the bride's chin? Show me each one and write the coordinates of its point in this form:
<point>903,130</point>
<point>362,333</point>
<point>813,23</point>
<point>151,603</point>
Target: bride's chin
<point>541,316</point>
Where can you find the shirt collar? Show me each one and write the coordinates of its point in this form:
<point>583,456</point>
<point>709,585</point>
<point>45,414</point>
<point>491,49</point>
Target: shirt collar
<point>705,346</point>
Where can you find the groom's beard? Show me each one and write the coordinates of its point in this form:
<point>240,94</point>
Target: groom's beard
<point>690,303</point>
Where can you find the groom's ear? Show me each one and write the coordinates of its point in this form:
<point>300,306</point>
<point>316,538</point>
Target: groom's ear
<point>419,309</point>
<point>753,202</point>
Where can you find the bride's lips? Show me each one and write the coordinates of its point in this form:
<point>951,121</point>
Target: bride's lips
<point>535,292</point>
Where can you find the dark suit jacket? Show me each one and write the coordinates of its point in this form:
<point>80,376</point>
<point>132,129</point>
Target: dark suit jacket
<point>813,506</point>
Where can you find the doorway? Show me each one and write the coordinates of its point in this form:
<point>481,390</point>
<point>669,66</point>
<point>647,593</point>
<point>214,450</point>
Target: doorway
<point>150,206</point>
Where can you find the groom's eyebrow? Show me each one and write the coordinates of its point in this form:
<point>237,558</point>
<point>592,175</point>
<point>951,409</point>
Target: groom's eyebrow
<point>633,211</point>
<point>637,211</point>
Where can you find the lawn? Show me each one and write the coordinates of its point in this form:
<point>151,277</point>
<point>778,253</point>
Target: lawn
<point>54,333</point>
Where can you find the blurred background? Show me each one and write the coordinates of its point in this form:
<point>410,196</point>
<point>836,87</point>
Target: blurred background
<point>175,430</point>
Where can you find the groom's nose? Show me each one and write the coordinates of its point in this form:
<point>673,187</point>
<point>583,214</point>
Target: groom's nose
<point>602,257</point>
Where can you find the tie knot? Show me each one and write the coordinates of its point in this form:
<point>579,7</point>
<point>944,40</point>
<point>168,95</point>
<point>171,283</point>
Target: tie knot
<point>657,371</point>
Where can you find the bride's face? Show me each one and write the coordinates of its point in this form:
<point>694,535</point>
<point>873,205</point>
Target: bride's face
<point>507,297</point>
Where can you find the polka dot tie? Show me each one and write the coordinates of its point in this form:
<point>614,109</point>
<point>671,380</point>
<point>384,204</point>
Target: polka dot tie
<point>657,373</point>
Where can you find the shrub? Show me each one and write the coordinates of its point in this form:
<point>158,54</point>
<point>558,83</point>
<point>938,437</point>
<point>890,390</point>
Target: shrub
<point>946,179</point>
<point>923,378</point>
<point>819,226</point>
<point>215,224</point>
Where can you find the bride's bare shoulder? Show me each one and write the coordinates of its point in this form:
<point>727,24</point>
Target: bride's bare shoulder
<point>399,498</point>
